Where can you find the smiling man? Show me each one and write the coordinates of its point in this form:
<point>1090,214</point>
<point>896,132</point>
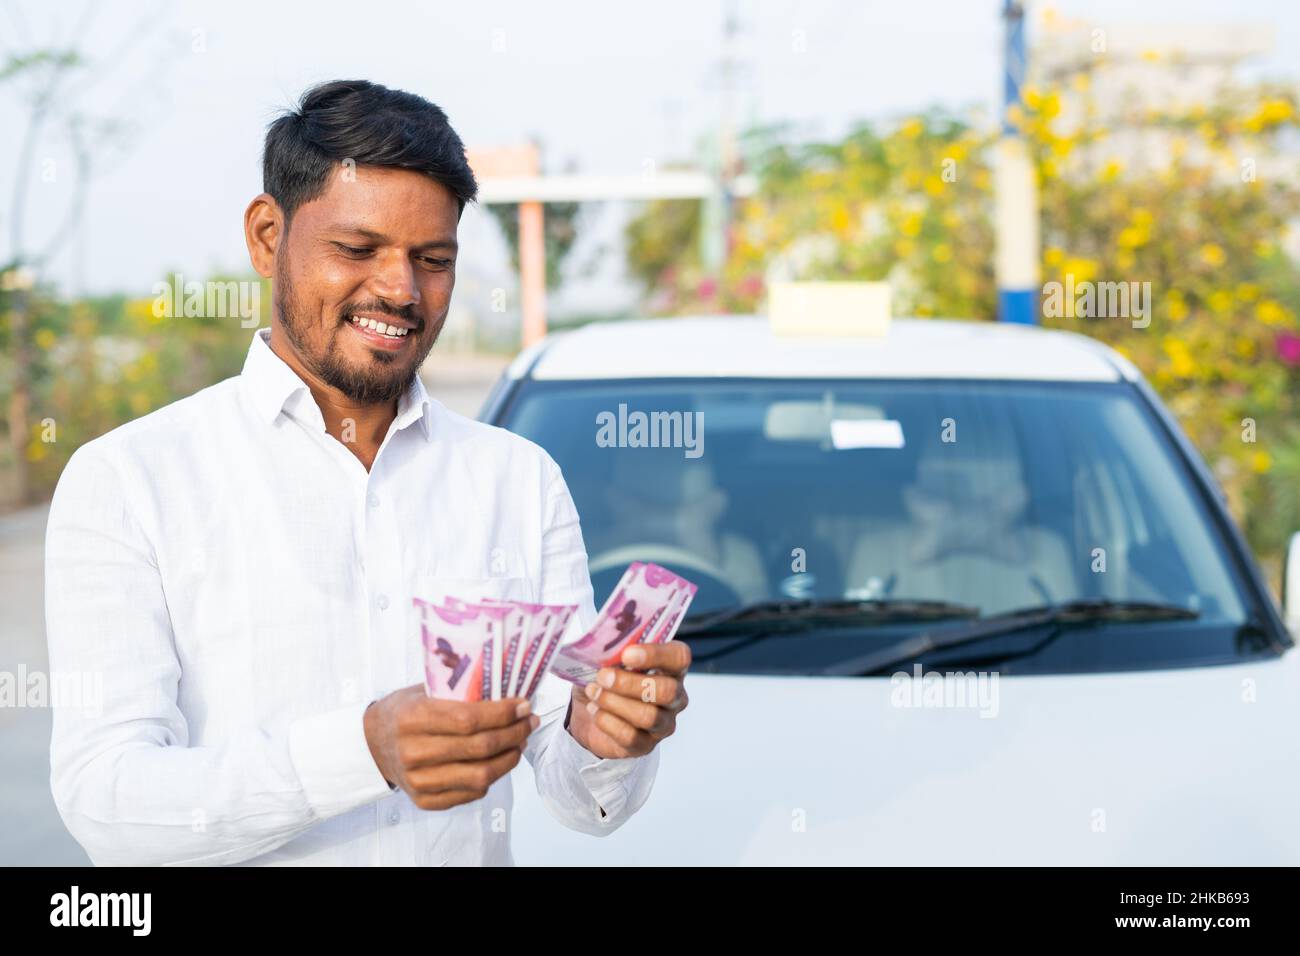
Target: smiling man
<point>239,565</point>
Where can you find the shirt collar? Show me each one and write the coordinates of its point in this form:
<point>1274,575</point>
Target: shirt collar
<point>271,384</point>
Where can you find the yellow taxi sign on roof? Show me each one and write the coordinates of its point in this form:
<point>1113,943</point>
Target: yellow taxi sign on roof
<point>828,308</point>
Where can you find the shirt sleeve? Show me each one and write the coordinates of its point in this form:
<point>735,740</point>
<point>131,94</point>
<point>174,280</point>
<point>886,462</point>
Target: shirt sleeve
<point>586,793</point>
<point>124,777</point>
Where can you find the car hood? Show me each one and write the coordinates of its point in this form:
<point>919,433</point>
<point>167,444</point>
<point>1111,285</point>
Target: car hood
<point>1178,767</point>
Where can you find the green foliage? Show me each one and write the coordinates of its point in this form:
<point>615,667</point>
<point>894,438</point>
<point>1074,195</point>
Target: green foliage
<point>100,362</point>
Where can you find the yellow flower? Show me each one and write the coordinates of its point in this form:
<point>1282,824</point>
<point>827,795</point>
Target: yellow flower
<point>904,248</point>
<point>1247,291</point>
<point>1110,172</point>
<point>1212,254</point>
<point>1270,312</point>
<point>1061,146</point>
<point>942,253</point>
<point>45,339</point>
<point>1179,357</point>
<point>911,225</point>
<point>1269,113</point>
<point>1261,461</point>
<point>1083,270</point>
<point>1053,256</point>
<point>1220,301</point>
<point>933,185</point>
<point>912,128</point>
<point>1176,307</point>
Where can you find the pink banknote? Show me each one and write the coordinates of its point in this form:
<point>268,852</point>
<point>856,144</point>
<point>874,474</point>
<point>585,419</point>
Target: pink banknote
<point>645,607</point>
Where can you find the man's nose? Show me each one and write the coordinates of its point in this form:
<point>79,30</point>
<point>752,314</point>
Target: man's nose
<point>394,280</point>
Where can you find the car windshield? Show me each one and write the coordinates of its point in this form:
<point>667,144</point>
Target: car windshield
<point>995,496</point>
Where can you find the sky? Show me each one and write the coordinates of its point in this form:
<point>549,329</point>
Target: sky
<point>604,86</point>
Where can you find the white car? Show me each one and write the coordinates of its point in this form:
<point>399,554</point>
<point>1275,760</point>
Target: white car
<point>967,596</point>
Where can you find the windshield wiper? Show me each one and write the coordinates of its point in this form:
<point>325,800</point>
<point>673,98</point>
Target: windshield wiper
<point>804,613</point>
<point>1059,616</point>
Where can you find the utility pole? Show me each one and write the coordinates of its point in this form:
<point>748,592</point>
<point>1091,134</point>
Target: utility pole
<point>718,206</point>
<point>1015,188</point>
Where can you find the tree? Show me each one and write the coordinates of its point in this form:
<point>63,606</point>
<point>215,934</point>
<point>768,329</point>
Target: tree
<point>50,82</point>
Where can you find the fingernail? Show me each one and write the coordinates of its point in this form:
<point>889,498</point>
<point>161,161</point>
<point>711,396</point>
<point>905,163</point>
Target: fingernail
<point>591,709</point>
<point>533,721</point>
<point>605,678</point>
<point>524,709</point>
<point>593,691</point>
<point>634,656</point>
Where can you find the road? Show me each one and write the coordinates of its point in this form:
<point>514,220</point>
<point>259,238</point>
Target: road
<point>32,833</point>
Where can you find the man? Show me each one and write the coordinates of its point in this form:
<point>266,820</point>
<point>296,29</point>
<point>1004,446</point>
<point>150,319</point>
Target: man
<point>239,566</point>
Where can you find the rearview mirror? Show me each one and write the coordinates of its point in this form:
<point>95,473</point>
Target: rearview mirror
<point>1291,585</point>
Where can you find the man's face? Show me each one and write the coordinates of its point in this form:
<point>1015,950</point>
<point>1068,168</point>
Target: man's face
<point>379,248</point>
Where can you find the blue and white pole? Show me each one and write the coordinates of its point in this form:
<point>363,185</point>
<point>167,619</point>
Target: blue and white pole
<point>1015,190</point>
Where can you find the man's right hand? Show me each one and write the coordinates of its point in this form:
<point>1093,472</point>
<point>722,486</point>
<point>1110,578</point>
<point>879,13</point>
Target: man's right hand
<point>442,752</point>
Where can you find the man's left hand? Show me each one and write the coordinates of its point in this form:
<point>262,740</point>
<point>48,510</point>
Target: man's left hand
<point>629,709</point>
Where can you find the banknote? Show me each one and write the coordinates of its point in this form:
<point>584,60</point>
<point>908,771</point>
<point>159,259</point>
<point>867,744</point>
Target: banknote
<point>542,646</point>
<point>488,649</point>
<point>454,644</point>
<point>646,606</point>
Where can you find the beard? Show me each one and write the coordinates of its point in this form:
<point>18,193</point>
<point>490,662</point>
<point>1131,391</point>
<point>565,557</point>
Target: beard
<point>385,378</point>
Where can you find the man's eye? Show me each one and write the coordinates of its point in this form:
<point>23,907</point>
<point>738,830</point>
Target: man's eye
<point>356,251</point>
<point>438,263</point>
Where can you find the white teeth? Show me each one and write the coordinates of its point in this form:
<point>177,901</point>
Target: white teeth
<point>392,331</point>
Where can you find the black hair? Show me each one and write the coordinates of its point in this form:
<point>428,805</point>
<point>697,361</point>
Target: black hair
<point>368,124</point>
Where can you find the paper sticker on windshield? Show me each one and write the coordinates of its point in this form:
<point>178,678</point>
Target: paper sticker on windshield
<point>866,433</point>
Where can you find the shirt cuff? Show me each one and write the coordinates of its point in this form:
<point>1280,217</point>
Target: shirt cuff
<point>608,780</point>
<point>333,761</point>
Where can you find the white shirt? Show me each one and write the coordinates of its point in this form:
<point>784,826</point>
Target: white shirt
<point>241,587</point>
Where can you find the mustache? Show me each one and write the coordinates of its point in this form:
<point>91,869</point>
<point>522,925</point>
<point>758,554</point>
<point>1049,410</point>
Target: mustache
<point>378,306</point>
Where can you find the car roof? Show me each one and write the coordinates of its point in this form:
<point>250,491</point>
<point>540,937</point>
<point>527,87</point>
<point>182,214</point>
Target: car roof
<point>743,346</point>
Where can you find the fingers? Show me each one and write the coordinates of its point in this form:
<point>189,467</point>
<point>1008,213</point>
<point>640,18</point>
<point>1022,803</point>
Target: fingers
<point>656,721</point>
<point>419,750</point>
<point>430,715</point>
<point>446,799</point>
<point>429,786</point>
<point>672,658</point>
<point>658,689</point>
<point>632,739</point>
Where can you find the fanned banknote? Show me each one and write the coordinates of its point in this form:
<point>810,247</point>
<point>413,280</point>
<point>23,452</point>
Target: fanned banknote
<point>489,649</point>
<point>646,607</point>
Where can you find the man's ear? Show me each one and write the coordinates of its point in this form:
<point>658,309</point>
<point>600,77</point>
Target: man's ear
<point>263,232</point>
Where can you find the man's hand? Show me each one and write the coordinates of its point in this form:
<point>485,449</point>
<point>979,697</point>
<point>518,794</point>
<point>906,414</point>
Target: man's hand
<point>442,752</point>
<point>626,712</point>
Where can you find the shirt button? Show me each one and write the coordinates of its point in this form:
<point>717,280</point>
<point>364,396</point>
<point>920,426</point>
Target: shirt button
<point>394,818</point>
<point>382,602</point>
<point>372,499</point>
